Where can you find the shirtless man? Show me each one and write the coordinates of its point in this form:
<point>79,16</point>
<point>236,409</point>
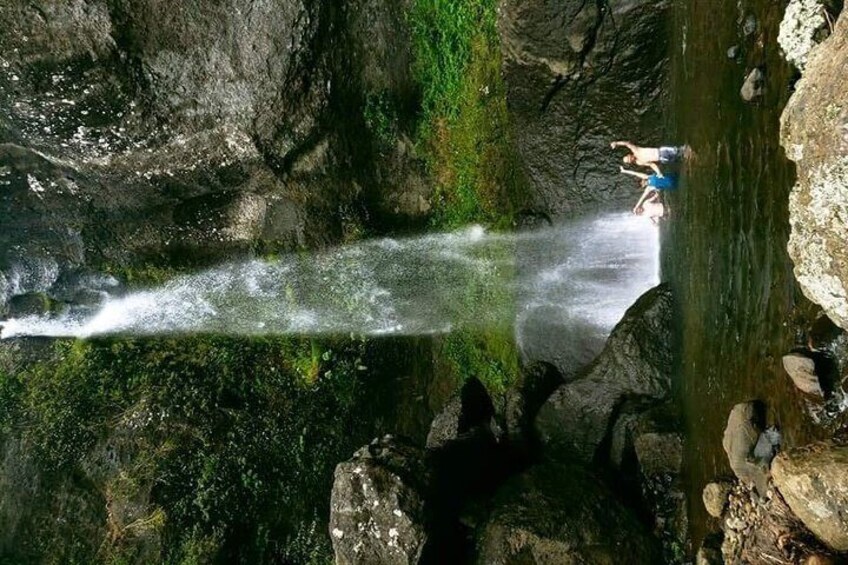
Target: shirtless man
<point>649,156</point>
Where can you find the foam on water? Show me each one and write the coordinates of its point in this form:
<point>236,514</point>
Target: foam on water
<point>585,272</point>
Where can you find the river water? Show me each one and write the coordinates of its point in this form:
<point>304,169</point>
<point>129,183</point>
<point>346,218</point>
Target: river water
<point>724,252</point>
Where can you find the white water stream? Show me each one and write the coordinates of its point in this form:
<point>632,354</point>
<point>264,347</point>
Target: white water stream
<point>575,279</point>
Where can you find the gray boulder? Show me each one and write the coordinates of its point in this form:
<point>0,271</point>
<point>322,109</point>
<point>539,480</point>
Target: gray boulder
<point>814,133</point>
<point>741,435</point>
<point>635,364</point>
<point>378,512</point>
<point>561,515</point>
<point>802,370</point>
<point>567,61</point>
<point>814,482</point>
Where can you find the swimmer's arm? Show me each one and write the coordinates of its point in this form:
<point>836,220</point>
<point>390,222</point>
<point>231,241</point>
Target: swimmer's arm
<point>656,169</point>
<point>644,197</point>
<point>637,174</point>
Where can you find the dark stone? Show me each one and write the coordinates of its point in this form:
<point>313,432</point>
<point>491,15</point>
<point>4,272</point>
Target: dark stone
<point>750,25</point>
<point>378,509</point>
<point>561,514</point>
<point>30,304</point>
<point>467,413</point>
<point>733,52</point>
<point>566,64</point>
<point>635,366</point>
<point>754,85</point>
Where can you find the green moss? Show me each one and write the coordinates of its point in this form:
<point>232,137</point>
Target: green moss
<point>228,445</point>
<point>464,131</point>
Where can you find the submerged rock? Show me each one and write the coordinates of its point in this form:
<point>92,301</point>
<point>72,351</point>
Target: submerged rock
<point>802,370</point>
<point>634,365</point>
<point>714,497</point>
<point>814,133</point>
<point>740,438</point>
<point>754,85</point>
<point>561,515</point>
<point>814,482</point>
<point>378,512</point>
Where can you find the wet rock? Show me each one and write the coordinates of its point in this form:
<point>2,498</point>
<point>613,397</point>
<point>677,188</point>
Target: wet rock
<point>715,498</point>
<point>750,25</point>
<point>814,133</point>
<point>561,515</point>
<point>802,21</point>
<point>802,370</point>
<point>522,404</point>
<point>565,61</point>
<point>710,551</point>
<point>740,437</point>
<point>754,85</point>
<point>733,52</point>
<point>814,482</point>
<point>378,512</point>
<point>635,364</point>
<point>30,304</point>
<point>467,411</point>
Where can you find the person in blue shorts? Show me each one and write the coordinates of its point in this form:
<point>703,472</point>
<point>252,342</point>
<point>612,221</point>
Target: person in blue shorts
<point>651,183</point>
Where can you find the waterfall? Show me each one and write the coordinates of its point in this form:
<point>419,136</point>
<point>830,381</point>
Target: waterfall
<point>578,276</point>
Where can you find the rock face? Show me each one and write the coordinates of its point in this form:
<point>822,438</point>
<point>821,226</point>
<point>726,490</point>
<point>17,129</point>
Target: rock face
<point>565,63</point>
<point>744,426</point>
<point>802,22</point>
<point>128,137</point>
<point>814,482</point>
<point>561,515</point>
<point>814,133</point>
<point>377,506</point>
<point>635,364</point>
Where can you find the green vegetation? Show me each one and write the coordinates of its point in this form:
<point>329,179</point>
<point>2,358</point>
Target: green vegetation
<point>464,130</point>
<point>183,450</point>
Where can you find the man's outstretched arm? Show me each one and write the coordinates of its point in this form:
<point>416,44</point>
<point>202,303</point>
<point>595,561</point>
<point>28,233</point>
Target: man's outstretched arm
<point>626,144</point>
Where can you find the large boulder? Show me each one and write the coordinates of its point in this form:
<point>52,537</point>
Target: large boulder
<point>378,511</point>
<point>814,482</point>
<point>814,133</point>
<point>561,515</point>
<point>801,29</point>
<point>579,75</point>
<point>634,365</point>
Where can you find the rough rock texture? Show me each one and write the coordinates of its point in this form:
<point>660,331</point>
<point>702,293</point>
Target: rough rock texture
<point>715,498</point>
<point>129,138</point>
<point>567,62</point>
<point>814,481</point>
<point>561,515</point>
<point>744,426</point>
<point>634,365</point>
<point>763,529</point>
<point>802,22</point>
<point>802,370</point>
<point>814,133</point>
<point>377,506</point>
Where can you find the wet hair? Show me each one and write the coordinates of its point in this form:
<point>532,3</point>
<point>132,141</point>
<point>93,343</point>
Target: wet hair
<point>628,158</point>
